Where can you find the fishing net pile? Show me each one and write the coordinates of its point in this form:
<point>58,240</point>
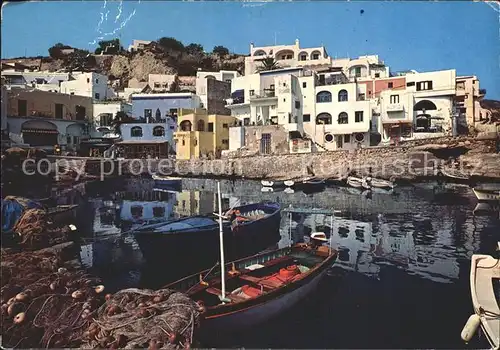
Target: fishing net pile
<point>43,304</point>
<point>28,224</point>
<point>36,231</point>
<point>142,318</point>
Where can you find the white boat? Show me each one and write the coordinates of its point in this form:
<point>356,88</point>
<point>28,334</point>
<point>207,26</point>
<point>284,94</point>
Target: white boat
<point>454,174</point>
<point>277,183</point>
<point>289,190</point>
<point>167,180</point>
<point>266,189</point>
<point>483,194</point>
<point>379,183</point>
<point>484,270</point>
<point>356,182</point>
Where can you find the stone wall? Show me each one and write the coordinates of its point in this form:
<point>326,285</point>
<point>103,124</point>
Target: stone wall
<point>476,158</point>
<point>217,92</point>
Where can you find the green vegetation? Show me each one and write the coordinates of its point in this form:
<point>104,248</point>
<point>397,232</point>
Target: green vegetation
<point>268,63</point>
<point>109,47</point>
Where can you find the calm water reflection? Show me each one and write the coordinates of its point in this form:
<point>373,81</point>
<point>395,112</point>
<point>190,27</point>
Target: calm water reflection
<point>401,279</point>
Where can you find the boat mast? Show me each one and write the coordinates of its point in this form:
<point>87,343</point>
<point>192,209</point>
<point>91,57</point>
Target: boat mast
<point>331,230</point>
<point>221,239</point>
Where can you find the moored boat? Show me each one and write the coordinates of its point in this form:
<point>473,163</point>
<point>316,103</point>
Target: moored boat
<point>277,183</point>
<point>248,291</point>
<point>259,286</point>
<point>356,182</point>
<point>379,183</point>
<point>271,183</point>
<point>484,278</point>
<point>170,181</point>
<point>247,229</point>
<point>454,174</point>
<point>484,194</point>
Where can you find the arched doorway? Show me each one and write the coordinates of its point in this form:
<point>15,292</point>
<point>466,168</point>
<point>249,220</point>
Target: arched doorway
<point>39,133</point>
<point>422,118</point>
<point>424,105</point>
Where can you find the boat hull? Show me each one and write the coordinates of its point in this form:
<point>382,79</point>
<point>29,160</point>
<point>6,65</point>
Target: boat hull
<point>202,245</point>
<point>261,312</point>
<point>487,195</point>
<point>269,183</point>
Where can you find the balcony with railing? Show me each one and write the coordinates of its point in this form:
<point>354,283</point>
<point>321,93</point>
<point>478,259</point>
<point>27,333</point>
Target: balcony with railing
<point>265,94</point>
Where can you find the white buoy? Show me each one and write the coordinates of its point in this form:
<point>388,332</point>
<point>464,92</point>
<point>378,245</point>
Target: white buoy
<point>470,327</point>
<point>72,227</point>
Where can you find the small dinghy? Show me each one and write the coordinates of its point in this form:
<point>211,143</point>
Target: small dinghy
<point>355,182</point>
<point>454,174</point>
<point>271,183</point>
<point>379,183</point>
<point>278,183</point>
<point>484,194</point>
<point>484,278</point>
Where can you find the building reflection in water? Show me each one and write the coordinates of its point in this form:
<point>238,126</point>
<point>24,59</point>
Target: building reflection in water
<point>414,245</point>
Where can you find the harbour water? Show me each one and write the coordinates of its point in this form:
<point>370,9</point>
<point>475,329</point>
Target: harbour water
<point>401,279</point>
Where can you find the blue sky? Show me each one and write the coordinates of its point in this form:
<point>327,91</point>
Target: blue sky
<point>424,36</point>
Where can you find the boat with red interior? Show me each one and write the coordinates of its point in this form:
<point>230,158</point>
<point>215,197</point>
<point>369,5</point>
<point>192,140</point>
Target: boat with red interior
<point>248,291</point>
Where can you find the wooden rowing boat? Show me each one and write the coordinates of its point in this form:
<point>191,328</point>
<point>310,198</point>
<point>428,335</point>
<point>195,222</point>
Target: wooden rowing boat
<point>484,274</point>
<point>379,183</point>
<point>355,182</point>
<point>245,226</point>
<point>277,183</point>
<point>248,291</point>
<point>484,194</point>
<point>169,181</point>
<point>454,174</point>
<point>259,287</point>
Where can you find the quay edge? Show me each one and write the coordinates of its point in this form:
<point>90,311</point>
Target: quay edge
<point>407,163</point>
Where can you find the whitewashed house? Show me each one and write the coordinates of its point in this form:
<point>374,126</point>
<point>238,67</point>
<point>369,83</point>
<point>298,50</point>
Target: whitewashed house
<point>287,56</point>
<point>336,117</point>
<point>92,85</point>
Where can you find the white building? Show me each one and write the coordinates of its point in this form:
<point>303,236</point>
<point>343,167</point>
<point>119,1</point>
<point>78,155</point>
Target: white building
<point>105,111</point>
<point>362,67</point>
<point>40,80</point>
<point>267,98</point>
<point>287,56</point>
<point>92,85</point>
<point>425,108</point>
<point>148,132</point>
<point>138,45</point>
<point>335,116</point>
<point>434,94</point>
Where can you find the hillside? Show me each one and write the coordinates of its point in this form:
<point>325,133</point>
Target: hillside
<point>124,66</point>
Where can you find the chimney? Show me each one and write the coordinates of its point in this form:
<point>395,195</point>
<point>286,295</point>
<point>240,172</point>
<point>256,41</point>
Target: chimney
<point>251,47</point>
<point>297,42</point>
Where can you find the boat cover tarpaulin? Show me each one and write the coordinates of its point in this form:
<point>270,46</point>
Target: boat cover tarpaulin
<point>12,210</point>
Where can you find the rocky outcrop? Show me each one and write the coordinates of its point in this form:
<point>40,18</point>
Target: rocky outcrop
<point>139,65</point>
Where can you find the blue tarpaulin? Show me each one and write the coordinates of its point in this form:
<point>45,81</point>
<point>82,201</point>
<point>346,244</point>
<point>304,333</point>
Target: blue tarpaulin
<point>12,210</point>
